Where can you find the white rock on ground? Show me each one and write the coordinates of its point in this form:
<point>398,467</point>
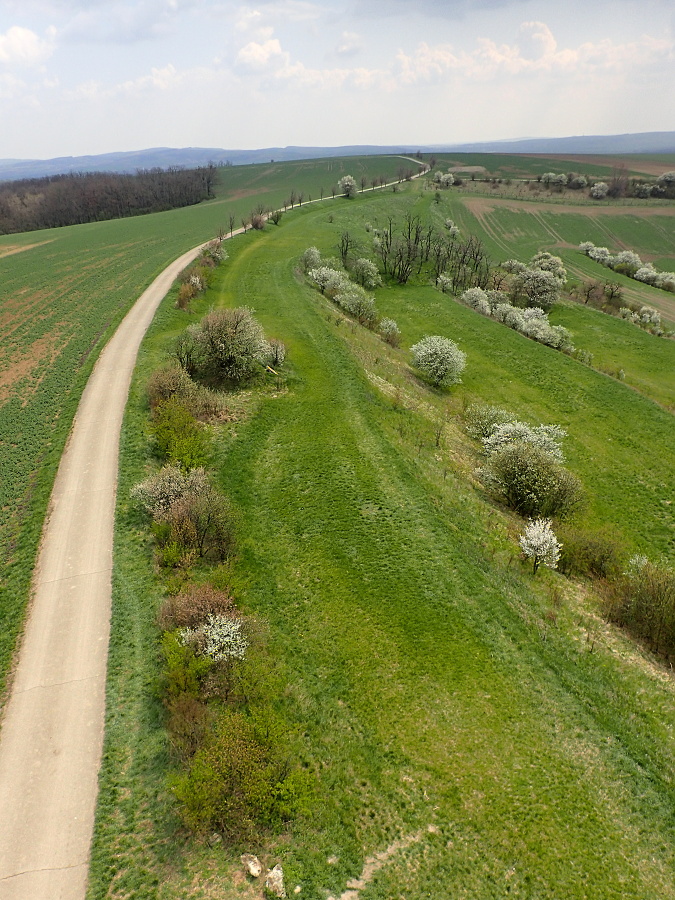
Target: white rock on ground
<point>252,864</point>
<point>274,883</point>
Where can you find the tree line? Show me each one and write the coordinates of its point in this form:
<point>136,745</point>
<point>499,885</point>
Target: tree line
<point>81,197</point>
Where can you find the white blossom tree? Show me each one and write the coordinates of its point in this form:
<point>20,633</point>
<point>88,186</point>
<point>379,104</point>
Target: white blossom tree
<point>599,190</point>
<point>347,186</point>
<point>439,358</point>
<point>539,543</point>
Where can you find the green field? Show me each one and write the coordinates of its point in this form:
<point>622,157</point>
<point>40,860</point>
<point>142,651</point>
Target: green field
<point>443,698</point>
<point>63,292</point>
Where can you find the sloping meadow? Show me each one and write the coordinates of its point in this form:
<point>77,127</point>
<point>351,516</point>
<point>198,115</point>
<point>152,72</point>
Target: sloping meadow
<point>478,726</point>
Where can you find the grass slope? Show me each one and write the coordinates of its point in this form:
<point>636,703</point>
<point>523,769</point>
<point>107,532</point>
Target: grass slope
<point>64,291</point>
<point>417,668</point>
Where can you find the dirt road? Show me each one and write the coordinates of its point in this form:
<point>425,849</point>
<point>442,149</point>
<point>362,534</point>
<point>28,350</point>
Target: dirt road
<point>52,729</point>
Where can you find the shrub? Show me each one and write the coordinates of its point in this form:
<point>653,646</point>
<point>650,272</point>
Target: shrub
<point>530,482</point>
<point>644,602</point>
<point>199,522</point>
<point>179,437</point>
<point>480,419</point>
<point>193,606</point>
<point>546,438</point>
<point>173,381</point>
<point>239,783</point>
<point>276,354</point>
<point>440,359</point>
<point>329,281</point>
<point>228,345</point>
<point>366,273</point>
<point>310,259</point>
<point>354,300</point>
<point>389,332</point>
<point>594,554</point>
<point>219,637</point>
<point>539,543</point>
<point>157,493</point>
<point>184,671</point>
<point>599,190</point>
<point>187,724</point>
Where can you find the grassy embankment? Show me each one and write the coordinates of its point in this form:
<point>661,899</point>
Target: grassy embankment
<point>63,293</point>
<point>428,678</point>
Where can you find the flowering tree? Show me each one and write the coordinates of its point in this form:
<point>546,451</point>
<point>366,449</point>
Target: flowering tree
<point>348,187</point>
<point>439,358</point>
<point>366,273</point>
<point>539,543</point>
<point>218,637</point>
<point>599,190</point>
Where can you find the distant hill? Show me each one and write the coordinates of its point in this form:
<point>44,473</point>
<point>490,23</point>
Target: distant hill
<point>190,157</point>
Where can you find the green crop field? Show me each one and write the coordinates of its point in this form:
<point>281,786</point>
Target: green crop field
<point>479,728</point>
<point>63,291</point>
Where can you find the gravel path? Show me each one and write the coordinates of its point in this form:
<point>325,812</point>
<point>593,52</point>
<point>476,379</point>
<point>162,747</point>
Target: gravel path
<point>52,729</point>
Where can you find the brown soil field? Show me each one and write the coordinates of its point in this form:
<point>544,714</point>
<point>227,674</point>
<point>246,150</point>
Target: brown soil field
<point>11,249</point>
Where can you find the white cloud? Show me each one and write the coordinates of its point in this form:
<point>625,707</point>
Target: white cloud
<point>259,56</point>
<point>23,47</point>
<point>350,44</point>
<point>535,52</point>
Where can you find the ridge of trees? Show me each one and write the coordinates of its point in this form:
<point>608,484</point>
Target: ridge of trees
<point>78,198</point>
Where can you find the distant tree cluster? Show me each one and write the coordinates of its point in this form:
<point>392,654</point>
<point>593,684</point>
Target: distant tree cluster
<point>627,262</point>
<point>78,198</point>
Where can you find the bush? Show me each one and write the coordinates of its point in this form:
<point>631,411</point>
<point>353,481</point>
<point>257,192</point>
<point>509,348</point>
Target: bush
<point>198,522</point>
<point>193,606</point>
<point>187,724</point>
<point>593,554</point>
<point>546,438</point>
<point>157,493</point>
<point>173,381</point>
<point>310,259</point>
<point>480,419</point>
<point>539,543</point>
<point>530,482</point>
<point>239,783</point>
<point>228,345</point>
<point>440,359</point>
<point>179,437</point>
<point>389,332</point>
<point>643,601</point>
<point>184,671</point>
<point>366,273</point>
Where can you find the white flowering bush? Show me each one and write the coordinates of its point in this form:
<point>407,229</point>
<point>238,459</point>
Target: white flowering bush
<point>310,259</point>
<point>356,302</point>
<point>444,283</point>
<point>439,358</point>
<point>218,638</point>
<point>531,321</point>
<point>452,229</point>
<point>158,493</point>
<point>390,332</point>
<point>366,273</point>
<point>227,345</point>
<point>481,419</point>
<point>539,543</point>
<point>329,281</point>
<point>547,262</point>
<point>547,438</point>
<point>646,274</point>
<point>599,190</point>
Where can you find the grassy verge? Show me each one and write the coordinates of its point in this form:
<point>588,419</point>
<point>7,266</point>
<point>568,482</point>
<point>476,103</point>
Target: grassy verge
<point>433,681</point>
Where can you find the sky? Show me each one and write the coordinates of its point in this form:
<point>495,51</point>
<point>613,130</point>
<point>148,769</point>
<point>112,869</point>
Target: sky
<point>95,76</point>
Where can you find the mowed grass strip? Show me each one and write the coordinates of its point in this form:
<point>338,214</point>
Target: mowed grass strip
<point>411,665</point>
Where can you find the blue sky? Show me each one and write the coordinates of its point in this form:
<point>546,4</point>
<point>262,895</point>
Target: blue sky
<point>94,76</point>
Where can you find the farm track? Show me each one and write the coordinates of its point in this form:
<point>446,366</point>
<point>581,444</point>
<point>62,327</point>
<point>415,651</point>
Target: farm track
<point>52,731</point>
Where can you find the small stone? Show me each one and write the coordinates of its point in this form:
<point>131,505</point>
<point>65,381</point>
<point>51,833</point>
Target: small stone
<point>274,883</point>
<point>433,829</point>
<point>215,839</point>
<point>333,860</point>
<point>297,889</point>
<point>252,864</point>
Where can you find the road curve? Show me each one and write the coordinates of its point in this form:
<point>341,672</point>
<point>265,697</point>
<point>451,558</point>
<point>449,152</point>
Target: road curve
<point>52,728</point>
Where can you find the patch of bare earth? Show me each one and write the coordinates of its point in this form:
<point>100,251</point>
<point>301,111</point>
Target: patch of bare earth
<point>11,249</point>
<point>25,362</point>
<point>374,863</point>
<point>483,205</point>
